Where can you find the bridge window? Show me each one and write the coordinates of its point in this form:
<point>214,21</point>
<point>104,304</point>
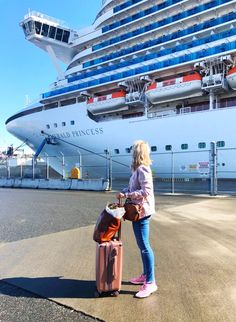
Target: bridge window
<point>38,26</point>
<point>66,36</point>
<point>44,31</point>
<point>31,26</point>
<point>59,34</point>
<point>52,32</point>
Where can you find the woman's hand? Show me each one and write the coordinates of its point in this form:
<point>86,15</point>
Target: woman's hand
<point>120,195</point>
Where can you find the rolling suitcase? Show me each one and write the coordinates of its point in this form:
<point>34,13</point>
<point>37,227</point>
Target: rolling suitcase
<point>109,258</point>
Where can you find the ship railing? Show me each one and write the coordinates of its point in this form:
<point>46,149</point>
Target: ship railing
<point>174,170</point>
<point>161,114</point>
<point>38,14</point>
<point>188,109</point>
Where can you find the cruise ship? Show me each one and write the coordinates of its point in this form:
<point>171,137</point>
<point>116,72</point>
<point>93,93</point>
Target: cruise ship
<point>161,71</point>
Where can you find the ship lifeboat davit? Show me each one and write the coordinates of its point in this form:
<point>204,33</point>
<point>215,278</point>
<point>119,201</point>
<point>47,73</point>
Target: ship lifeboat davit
<point>107,104</point>
<point>231,78</point>
<point>175,88</point>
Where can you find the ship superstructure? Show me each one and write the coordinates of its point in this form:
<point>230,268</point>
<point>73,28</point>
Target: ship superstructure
<point>144,69</point>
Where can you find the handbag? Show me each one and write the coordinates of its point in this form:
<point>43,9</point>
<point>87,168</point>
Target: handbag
<point>108,223</point>
<point>133,211</point>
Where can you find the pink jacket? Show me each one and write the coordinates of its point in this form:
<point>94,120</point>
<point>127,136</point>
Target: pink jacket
<point>140,189</point>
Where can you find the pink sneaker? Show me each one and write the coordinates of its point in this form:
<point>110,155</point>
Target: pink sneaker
<point>146,290</point>
<point>138,280</point>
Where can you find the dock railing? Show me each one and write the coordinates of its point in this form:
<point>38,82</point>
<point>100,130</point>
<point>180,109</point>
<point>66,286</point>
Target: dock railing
<point>205,171</point>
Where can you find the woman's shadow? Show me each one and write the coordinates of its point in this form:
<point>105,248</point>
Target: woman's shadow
<point>53,287</point>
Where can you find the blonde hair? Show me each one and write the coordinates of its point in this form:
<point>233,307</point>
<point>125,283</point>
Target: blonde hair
<point>141,154</point>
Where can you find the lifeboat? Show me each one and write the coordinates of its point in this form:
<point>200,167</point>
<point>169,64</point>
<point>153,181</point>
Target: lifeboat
<point>175,88</point>
<point>231,78</point>
<point>107,104</point>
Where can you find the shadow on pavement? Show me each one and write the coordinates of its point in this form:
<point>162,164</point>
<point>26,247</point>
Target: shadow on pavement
<point>54,287</point>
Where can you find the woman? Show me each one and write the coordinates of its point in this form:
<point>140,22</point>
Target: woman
<point>140,191</point>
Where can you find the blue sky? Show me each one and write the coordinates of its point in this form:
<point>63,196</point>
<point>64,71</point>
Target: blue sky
<point>25,70</point>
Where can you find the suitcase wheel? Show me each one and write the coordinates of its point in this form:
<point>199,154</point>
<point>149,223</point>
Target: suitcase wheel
<point>115,294</point>
<point>96,294</point>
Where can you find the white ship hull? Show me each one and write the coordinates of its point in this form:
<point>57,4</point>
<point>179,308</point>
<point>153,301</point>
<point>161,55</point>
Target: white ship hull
<point>190,128</point>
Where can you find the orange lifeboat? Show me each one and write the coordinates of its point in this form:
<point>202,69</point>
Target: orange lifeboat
<point>107,104</point>
<point>175,88</point>
<point>231,78</point>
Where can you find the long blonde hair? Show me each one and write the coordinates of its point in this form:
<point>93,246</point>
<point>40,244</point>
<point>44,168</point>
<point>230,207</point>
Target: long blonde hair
<point>141,154</point>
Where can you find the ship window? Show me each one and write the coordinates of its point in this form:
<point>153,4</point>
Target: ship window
<point>24,28</point>
<point>168,147</point>
<point>48,126</point>
<point>55,124</point>
<point>63,123</point>
<point>201,145</point>
<point>72,122</point>
<point>66,36</point>
<point>44,31</point>
<point>116,151</point>
<point>220,144</point>
<point>51,105</point>
<point>128,150</point>
<point>153,148</point>
<point>38,26</point>
<point>184,146</point>
<point>59,34</point>
<point>106,151</point>
<point>68,102</point>
<point>52,32</point>
<point>31,25</point>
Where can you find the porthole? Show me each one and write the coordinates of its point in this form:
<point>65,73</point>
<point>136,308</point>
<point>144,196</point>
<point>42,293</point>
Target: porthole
<point>184,146</point>
<point>201,145</point>
<point>220,144</point>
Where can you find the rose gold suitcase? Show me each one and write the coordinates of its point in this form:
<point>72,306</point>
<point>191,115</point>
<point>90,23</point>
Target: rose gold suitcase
<point>109,259</point>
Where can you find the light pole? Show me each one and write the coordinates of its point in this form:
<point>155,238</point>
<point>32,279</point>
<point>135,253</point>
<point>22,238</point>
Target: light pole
<point>80,163</point>
<point>63,166</point>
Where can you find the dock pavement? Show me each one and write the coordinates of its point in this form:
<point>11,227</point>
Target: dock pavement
<point>46,248</point>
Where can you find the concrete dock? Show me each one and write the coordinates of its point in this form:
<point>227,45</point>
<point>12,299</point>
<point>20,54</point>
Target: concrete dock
<point>46,247</point>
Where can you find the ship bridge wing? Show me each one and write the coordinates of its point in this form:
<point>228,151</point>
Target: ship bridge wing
<point>50,34</point>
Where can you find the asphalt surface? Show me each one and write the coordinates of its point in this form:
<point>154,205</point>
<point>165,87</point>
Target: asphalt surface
<point>25,214</point>
<point>18,305</point>
<point>30,213</point>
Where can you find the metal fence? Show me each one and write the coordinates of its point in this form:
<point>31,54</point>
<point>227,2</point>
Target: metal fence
<point>204,171</point>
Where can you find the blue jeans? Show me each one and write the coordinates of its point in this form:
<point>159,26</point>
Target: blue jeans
<point>141,232</point>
